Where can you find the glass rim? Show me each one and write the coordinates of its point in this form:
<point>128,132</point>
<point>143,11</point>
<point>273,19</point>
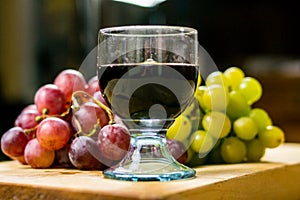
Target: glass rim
<point>171,31</point>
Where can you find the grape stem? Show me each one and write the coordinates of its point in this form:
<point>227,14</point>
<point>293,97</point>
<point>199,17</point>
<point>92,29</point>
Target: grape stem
<point>44,116</point>
<point>81,97</point>
<point>94,130</point>
<point>107,110</point>
<point>74,107</point>
<point>86,97</point>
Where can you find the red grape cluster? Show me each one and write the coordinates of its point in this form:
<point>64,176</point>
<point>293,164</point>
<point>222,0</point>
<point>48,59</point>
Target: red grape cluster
<point>70,125</point>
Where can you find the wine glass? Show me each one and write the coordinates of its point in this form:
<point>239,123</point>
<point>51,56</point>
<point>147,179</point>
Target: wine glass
<point>148,74</point>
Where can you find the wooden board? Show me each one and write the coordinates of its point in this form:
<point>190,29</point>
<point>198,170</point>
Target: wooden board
<point>276,177</point>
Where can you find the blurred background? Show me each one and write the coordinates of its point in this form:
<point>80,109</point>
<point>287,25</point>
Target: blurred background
<point>39,38</point>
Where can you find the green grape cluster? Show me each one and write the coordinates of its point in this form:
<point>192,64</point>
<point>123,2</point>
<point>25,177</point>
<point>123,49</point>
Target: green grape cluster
<point>222,125</point>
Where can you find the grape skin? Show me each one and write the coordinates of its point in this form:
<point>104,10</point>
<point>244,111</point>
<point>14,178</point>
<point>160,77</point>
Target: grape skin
<point>216,124</point>
<point>27,119</point>
<point>99,97</point>
<point>83,154</point>
<point>234,76</point>
<point>251,89</point>
<point>37,156</point>
<point>215,98</point>
<point>271,137</point>
<point>217,78</point>
<point>261,118</point>
<point>180,129</point>
<point>245,128</point>
<point>29,107</point>
<point>196,159</point>
<point>93,85</point>
<point>20,159</point>
<point>255,150</point>
<point>62,158</point>
<point>86,118</point>
<point>233,150</point>
<point>50,99</point>
<point>53,133</point>
<point>69,81</point>
<point>237,106</point>
<point>215,156</point>
<point>199,96</point>
<point>113,141</point>
<point>177,150</point>
<point>13,142</point>
<point>202,142</point>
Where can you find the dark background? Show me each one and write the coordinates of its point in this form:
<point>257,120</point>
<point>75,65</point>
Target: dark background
<point>40,38</point>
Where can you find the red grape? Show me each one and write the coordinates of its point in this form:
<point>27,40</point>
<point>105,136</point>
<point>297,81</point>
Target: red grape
<point>13,142</point>
<point>53,133</point>
<point>177,150</point>
<point>118,120</point>
<point>37,156</point>
<point>113,141</point>
<point>69,81</point>
<point>21,159</point>
<point>93,85</point>
<point>51,98</point>
<point>87,116</point>
<point>62,157</point>
<point>30,107</point>
<point>98,96</point>
<point>27,119</point>
<point>84,154</point>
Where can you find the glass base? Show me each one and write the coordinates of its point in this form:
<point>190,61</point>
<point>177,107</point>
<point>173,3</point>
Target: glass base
<point>151,171</point>
<point>149,160</point>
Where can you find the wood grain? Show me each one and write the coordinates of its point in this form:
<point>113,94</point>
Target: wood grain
<point>276,177</point>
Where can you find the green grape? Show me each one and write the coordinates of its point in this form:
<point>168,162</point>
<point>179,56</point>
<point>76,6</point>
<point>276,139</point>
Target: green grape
<point>234,76</point>
<point>186,143</point>
<point>215,98</point>
<point>245,128</point>
<point>195,116</point>
<point>255,150</point>
<point>199,96</point>
<point>217,78</point>
<point>180,129</point>
<point>190,154</point>
<point>217,124</point>
<point>202,142</point>
<point>271,137</point>
<point>196,160</point>
<point>214,155</point>
<point>233,150</point>
<point>251,89</point>
<point>261,118</point>
<point>237,105</point>
<point>199,80</point>
<point>191,107</point>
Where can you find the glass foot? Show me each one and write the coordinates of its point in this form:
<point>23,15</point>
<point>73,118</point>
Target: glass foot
<point>149,160</point>
<point>150,171</point>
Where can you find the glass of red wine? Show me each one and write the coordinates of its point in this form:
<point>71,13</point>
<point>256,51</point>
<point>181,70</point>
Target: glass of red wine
<point>148,74</point>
